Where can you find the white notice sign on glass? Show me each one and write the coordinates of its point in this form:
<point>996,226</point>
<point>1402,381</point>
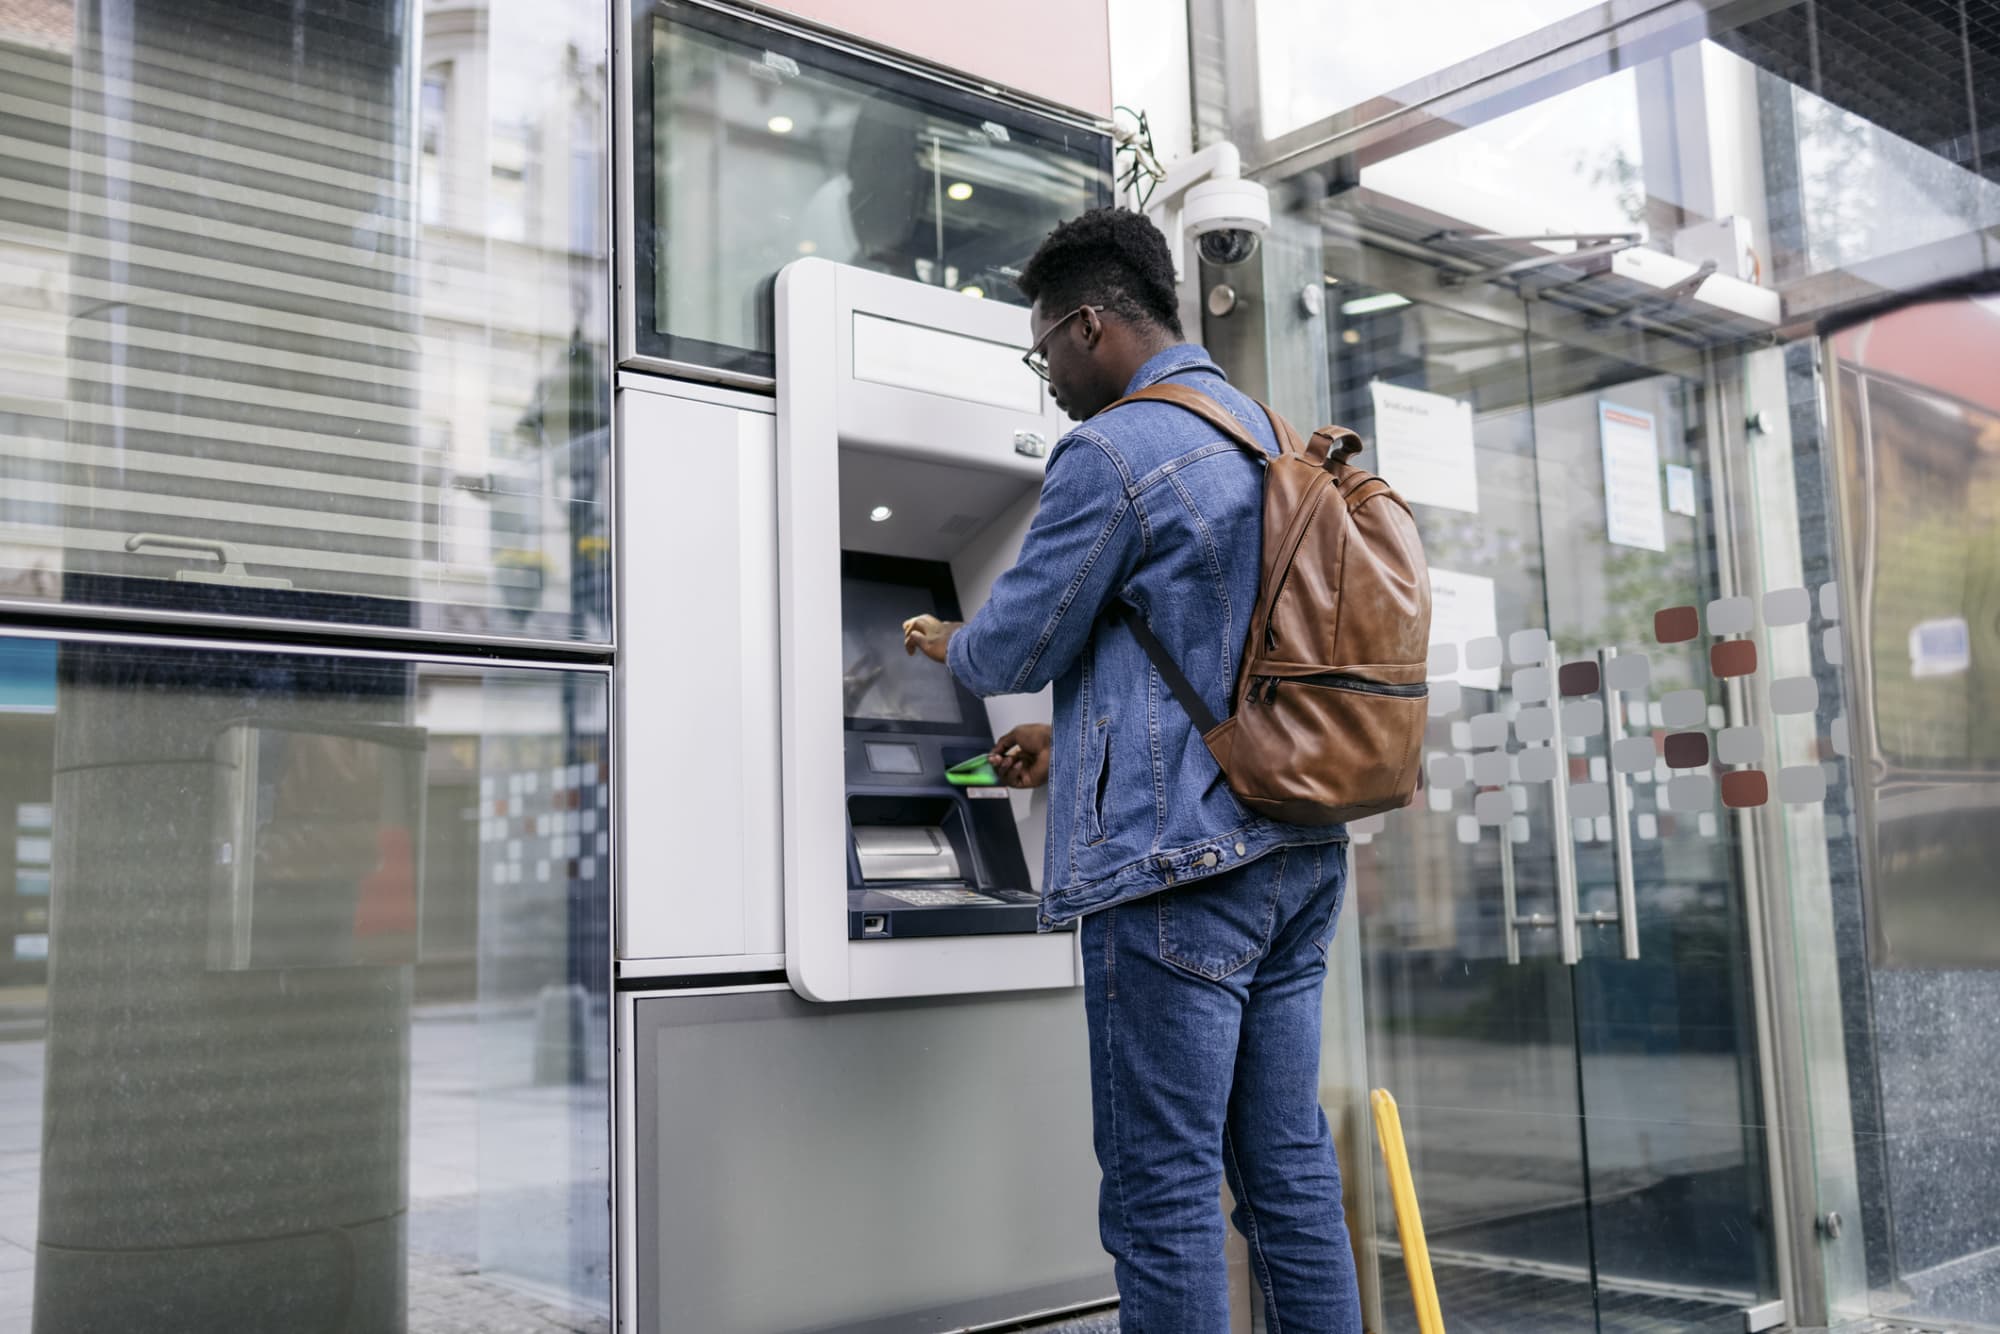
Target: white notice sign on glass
<point>1632,512</point>
<point>1423,447</point>
<point>1463,609</point>
<point>1680,489</point>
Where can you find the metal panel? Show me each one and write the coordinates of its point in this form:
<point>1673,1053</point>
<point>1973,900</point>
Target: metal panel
<point>910,1189</point>
<point>698,681</point>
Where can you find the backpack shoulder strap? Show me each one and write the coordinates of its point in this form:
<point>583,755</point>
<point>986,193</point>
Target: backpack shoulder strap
<point>1170,671</point>
<point>1201,405</point>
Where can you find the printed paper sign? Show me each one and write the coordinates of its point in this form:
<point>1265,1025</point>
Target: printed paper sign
<point>1632,513</point>
<point>1423,447</point>
<point>1463,608</point>
<point>1680,489</point>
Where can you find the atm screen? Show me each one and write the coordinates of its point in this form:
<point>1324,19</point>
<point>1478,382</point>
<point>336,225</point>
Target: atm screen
<point>880,682</point>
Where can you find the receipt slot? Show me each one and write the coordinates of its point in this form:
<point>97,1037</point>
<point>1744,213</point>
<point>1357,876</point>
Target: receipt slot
<point>911,442</point>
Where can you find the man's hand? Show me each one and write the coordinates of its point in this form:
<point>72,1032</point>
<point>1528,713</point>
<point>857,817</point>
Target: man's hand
<point>1021,757</point>
<point>928,635</point>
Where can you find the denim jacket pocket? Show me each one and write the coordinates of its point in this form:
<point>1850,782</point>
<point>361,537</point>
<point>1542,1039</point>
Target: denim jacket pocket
<point>1214,927</point>
<point>1093,811</point>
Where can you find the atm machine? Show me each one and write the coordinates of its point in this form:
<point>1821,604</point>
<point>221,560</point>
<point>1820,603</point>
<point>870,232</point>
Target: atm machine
<point>911,442</point>
<point>852,1088</point>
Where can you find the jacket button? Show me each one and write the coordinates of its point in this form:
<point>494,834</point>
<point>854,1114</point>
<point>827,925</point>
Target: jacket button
<point>1240,849</point>
<point>1210,859</point>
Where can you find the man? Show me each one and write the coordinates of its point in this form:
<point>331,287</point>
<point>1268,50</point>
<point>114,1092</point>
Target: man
<point>1205,928</point>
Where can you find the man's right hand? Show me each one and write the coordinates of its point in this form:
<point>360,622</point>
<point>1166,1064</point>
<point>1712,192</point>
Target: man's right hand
<point>1021,757</point>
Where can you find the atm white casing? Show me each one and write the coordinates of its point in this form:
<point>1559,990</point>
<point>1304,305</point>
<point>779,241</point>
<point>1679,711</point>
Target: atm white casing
<point>893,392</point>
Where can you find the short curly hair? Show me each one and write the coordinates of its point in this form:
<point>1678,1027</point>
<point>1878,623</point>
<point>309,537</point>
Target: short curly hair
<point>1112,258</point>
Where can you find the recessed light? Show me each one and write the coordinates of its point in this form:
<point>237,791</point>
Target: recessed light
<point>1369,305</point>
<point>807,247</point>
<point>779,125</point>
<point>1350,336</point>
<point>880,514</point>
<point>958,192</point>
<point>973,290</point>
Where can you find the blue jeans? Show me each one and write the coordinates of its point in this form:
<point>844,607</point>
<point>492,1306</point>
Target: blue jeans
<point>1204,1014</point>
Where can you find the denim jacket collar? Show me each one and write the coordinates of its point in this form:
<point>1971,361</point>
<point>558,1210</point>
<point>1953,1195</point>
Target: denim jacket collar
<point>1180,357</point>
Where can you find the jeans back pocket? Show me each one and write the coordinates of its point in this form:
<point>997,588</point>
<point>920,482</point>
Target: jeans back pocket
<point>1215,926</point>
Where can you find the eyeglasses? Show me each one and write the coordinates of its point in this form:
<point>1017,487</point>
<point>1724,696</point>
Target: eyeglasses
<point>1034,360</point>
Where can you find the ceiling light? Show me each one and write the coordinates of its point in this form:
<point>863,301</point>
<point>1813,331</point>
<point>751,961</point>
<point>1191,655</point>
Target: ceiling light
<point>973,290</point>
<point>779,125</point>
<point>1369,305</point>
<point>1350,336</point>
<point>880,514</point>
<point>958,192</point>
<point>808,246</point>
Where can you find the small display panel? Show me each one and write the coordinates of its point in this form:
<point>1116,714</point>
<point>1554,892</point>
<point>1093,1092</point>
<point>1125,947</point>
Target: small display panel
<point>880,682</point>
<point>887,757</point>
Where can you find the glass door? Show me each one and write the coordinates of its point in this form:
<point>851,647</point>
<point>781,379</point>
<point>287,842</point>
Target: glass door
<point>1556,973</point>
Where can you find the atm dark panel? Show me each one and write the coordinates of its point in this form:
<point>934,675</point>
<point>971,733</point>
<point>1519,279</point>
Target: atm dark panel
<point>901,921</point>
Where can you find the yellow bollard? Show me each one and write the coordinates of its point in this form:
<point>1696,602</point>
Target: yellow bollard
<point>1409,1222</point>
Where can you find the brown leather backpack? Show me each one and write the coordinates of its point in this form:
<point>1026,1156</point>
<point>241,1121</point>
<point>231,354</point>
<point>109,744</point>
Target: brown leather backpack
<point>1328,718</point>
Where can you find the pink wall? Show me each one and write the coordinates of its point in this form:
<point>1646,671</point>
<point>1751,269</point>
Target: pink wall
<point>1059,50</point>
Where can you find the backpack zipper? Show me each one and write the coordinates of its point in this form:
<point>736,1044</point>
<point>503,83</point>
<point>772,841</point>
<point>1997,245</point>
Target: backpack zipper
<point>1361,685</point>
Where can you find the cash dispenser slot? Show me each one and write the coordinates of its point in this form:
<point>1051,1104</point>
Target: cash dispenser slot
<point>907,839</point>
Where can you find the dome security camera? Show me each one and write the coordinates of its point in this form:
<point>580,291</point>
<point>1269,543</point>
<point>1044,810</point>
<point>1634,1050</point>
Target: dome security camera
<point>1204,199</point>
<point>1224,216</point>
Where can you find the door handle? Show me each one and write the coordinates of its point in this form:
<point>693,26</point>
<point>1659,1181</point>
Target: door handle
<point>1621,812</point>
<point>1565,833</point>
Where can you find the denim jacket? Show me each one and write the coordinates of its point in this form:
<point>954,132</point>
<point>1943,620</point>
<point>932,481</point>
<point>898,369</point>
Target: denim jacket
<point>1142,503</point>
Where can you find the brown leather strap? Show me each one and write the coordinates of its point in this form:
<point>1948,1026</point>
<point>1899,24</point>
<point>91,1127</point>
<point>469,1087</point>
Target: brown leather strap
<point>1206,408</point>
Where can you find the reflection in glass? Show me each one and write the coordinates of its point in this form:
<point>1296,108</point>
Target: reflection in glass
<point>767,148</point>
<point>297,328</point>
<point>1315,59</point>
<point>305,992</point>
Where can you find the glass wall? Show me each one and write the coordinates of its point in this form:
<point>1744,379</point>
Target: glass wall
<point>303,951</point>
<point>305,977</point>
<point>304,311</point>
<point>1674,325</point>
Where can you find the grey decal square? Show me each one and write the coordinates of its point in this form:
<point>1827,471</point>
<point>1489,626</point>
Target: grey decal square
<point>1684,708</point>
<point>1493,809</point>
<point>1829,602</point>
<point>1536,724</point>
<point>1730,616</point>
<point>1582,718</point>
<point>1787,606</point>
<point>1442,662</point>
<point>1739,745</point>
<point>1587,801</point>
<point>1632,754</point>
<point>1492,768</point>
<point>1795,694</point>
<point>1630,672</point>
<point>1445,771</point>
<point>1537,765</point>
<point>1528,647</point>
<point>1691,792</point>
<point>1445,698</point>
<point>1481,654</point>
<point>1488,730</point>
<point>1802,784</point>
<point>1531,684</point>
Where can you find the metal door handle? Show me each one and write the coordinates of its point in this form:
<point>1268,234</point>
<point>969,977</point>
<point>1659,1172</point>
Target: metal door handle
<point>1621,811</point>
<point>1565,921</point>
<point>1565,833</point>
